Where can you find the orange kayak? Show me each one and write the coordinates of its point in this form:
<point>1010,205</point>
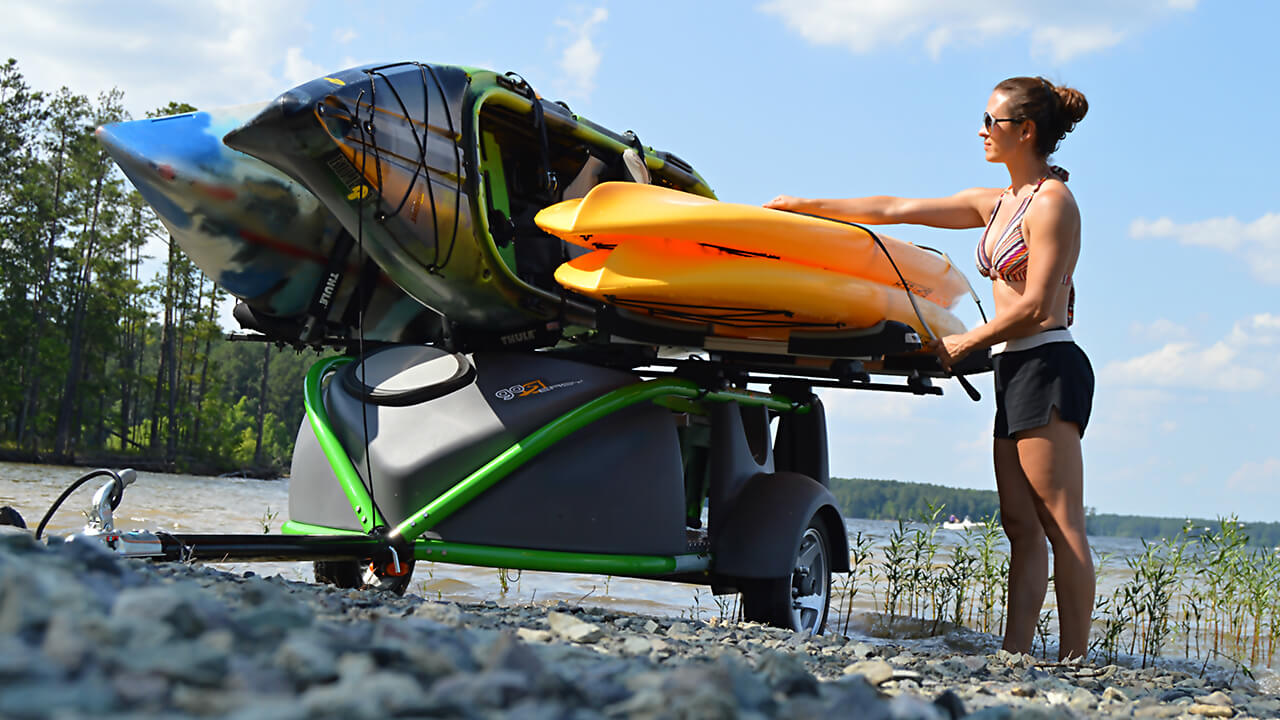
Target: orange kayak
<point>614,214</point>
<point>743,297</point>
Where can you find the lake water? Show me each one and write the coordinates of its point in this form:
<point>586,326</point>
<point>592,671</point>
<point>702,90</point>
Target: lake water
<point>200,504</point>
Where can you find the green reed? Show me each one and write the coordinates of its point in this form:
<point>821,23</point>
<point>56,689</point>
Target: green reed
<point>1205,594</point>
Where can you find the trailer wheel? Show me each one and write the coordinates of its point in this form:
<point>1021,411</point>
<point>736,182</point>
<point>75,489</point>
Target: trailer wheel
<point>799,602</point>
<point>345,574</point>
<point>388,577</point>
<point>352,575</point>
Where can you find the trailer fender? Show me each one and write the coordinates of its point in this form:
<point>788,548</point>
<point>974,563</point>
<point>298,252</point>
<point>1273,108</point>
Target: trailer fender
<point>761,536</point>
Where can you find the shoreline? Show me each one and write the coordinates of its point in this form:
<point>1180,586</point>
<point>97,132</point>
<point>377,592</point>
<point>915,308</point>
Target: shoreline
<point>83,631</point>
<point>180,466</point>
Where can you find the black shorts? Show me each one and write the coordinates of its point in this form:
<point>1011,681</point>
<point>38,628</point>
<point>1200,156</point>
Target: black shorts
<point>1031,383</point>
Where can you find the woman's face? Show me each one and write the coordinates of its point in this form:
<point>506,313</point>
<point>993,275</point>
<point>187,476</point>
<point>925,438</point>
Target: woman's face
<point>1001,139</point>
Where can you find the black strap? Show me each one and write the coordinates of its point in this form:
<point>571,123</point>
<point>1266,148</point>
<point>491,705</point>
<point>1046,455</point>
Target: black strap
<point>322,298</point>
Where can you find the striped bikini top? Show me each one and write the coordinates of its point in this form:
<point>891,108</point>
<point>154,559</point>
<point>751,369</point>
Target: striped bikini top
<point>1008,258</point>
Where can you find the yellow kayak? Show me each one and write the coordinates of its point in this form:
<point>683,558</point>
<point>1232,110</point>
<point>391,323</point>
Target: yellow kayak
<point>614,214</point>
<point>742,297</point>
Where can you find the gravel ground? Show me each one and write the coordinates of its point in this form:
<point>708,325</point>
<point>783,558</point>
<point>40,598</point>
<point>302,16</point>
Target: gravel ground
<point>85,633</point>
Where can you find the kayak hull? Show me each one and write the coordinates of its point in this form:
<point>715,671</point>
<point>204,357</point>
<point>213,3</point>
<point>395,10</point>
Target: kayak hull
<point>260,235</point>
<point>743,297</point>
<point>429,167</point>
<point>613,214</point>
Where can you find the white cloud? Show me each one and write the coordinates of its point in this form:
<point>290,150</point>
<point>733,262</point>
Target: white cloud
<point>1159,330</point>
<point>581,59</point>
<point>1241,361</point>
<point>214,53</point>
<point>1056,31</point>
<point>298,69</point>
<point>1257,242</point>
<point>1257,477</point>
<point>344,36</point>
<point>1068,42</point>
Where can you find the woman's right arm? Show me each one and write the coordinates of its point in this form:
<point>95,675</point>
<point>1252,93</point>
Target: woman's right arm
<point>965,209</point>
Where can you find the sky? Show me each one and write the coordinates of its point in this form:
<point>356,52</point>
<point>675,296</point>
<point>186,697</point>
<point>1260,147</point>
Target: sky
<point>1178,284</point>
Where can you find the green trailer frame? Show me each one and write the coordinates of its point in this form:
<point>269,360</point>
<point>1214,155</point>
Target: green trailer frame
<point>411,530</point>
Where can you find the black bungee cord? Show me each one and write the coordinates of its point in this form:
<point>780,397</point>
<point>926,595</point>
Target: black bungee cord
<point>423,166</point>
<point>906,287</point>
<point>363,299</point>
<point>117,492</point>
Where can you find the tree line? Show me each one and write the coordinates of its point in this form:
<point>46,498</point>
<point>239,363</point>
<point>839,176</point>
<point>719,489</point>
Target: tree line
<point>103,355</point>
<point>894,500</point>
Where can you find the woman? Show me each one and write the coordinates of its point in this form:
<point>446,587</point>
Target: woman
<point>1044,383</point>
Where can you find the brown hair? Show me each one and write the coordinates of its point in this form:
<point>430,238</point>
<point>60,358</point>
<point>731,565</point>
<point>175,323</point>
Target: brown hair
<point>1055,109</point>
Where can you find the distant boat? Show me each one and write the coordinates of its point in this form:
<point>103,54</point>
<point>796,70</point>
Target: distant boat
<point>952,523</point>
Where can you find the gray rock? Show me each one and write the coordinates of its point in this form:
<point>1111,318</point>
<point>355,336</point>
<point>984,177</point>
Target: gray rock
<point>445,613</point>
<point>1115,695</point>
<point>372,697</point>
<point>272,708</point>
<point>1216,711</point>
<point>599,685</point>
<point>679,631</point>
<point>510,654</point>
<point>1157,710</point>
<point>204,701</point>
<point>909,706</point>
<point>1263,707</point>
<point>190,662</point>
<point>998,712</point>
<point>1173,694</point>
<point>787,674</point>
<point>1082,699</point>
<point>877,672</point>
<point>25,605</point>
<point>65,641</point>
<point>143,691</point>
<point>531,635</point>
<point>306,660</point>
<point>92,695</point>
<point>1216,697</point>
<point>572,629</point>
<point>138,632</point>
<point>701,692</point>
<point>862,650</point>
<point>273,621</point>
<point>462,694</point>
<point>644,703</point>
<point>183,610</point>
<point>636,645</point>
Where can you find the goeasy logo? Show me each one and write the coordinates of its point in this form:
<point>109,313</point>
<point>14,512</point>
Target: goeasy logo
<point>532,387</point>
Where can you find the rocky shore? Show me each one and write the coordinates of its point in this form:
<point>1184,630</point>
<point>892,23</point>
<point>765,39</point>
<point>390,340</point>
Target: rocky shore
<point>84,633</point>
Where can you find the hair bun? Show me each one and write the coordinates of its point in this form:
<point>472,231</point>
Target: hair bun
<point>1074,106</point>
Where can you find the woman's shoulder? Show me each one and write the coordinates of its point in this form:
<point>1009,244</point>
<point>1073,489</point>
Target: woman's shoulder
<point>981,198</point>
<point>1054,203</point>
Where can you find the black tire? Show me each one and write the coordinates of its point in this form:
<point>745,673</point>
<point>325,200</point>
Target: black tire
<point>352,574</point>
<point>386,579</point>
<point>799,602</point>
<point>339,573</point>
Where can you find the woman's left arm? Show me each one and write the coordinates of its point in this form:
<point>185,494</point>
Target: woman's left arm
<point>1050,229</point>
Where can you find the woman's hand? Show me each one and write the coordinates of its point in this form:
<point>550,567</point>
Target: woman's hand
<point>950,349</point>
<point>784,202</point>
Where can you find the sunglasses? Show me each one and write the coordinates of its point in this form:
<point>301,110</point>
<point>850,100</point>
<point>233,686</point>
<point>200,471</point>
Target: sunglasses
<point>988,121</point>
